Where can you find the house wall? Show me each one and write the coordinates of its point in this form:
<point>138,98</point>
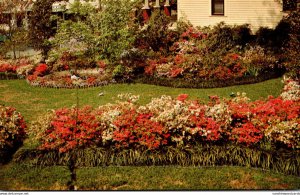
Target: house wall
<point>257,13</point>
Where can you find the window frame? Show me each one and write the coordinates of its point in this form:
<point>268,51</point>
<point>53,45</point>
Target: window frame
<point>213,13</point>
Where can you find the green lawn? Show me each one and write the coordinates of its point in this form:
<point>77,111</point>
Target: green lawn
<point>23,177</point>
<point>32,101</point>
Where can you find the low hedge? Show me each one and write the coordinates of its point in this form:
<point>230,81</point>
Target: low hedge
<point>171,82</point>
<point>283,161</point>
<point>10,76</point>
<point>199,83</point>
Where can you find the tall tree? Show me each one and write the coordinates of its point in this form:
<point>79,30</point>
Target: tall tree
<point>40,27</point>
<point>12,11</point>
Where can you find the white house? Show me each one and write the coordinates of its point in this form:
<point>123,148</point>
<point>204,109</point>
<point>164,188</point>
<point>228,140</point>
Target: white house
<point>257,13</point>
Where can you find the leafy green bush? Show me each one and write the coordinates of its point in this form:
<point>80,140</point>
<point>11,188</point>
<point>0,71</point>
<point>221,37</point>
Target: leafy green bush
<point>114,27</point>
<point>224,37</point>
<point>118,71</point>
<point>292,46</point>
<point>156,33</point>
<point>122,73</point>
<point>256,59</point>
<point>73,45</point>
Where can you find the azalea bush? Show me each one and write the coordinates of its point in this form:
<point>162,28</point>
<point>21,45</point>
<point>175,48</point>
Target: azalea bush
<point>67,79</point>
<point>179,122</point>
<point>76,127</point>
<point>12,131</point>
<point>219,53</point>
<point>291,90</point>
<point>14,66</point>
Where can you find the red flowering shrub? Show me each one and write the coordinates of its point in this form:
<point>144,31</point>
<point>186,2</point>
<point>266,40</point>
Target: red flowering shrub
<point>175,72</point>
<point>41,70</point>
<point>91,80</point>
<point>276,109</point>
<point>167,121</point>
<point>192,33</point>
<point>207,128</point>
<point>31,78</point>
<point>149,70</point>
<point>72,128</point>
<point>134,130</point>
<point>246,133</point>
<point>182,97</point>
<point>7,68</point>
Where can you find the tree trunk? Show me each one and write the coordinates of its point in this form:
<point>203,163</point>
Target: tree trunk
<point>14,50</point>
<point>72,169</point>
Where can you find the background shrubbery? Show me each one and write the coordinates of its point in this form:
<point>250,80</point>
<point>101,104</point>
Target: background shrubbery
<point>133,50</point>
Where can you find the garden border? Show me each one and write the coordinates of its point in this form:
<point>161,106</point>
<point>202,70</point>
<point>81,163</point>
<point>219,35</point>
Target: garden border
<point>202,84</point>
<point>174,82</point>
<point>10,76</point>
<point>283,161</point>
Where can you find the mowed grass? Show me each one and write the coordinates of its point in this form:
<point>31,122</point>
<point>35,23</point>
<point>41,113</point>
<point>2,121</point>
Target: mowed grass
<point>24,177</point>
<point>34,101</point>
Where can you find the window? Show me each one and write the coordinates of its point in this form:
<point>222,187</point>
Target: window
<point>217,7</point>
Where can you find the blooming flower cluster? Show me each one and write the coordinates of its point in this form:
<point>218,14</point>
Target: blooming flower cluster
<point>71,128</point>
<point>7,68</point>
<point>12,128</point>
<point>196,57</point>
<point>291,89</point>
<point>16,66</point>
<point>167,121</point>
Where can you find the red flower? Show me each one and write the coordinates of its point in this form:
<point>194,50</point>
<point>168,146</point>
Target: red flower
<point>175,72</point>
<point>182,97</point>
<point>41,69</point>
<point>137,130</point>
<point>91,80</point>
<point>71,128</point>
<point>7,68</point>
<point>179,59</point>
<point>31,77</point>
<point>101,64</point>
<point>149,70</point>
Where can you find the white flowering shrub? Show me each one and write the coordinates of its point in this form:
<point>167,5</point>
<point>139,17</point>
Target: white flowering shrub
<point>291,89</point>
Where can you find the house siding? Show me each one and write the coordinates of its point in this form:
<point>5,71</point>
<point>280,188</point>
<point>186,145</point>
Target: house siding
<point>257,13</point>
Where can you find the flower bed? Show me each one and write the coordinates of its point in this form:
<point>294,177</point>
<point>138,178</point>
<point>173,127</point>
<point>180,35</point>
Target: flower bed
<point>42,76</point>
<point>14,69</point>
<point>196,56</point>
<point>263,126</point>
<point>12,132</point>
